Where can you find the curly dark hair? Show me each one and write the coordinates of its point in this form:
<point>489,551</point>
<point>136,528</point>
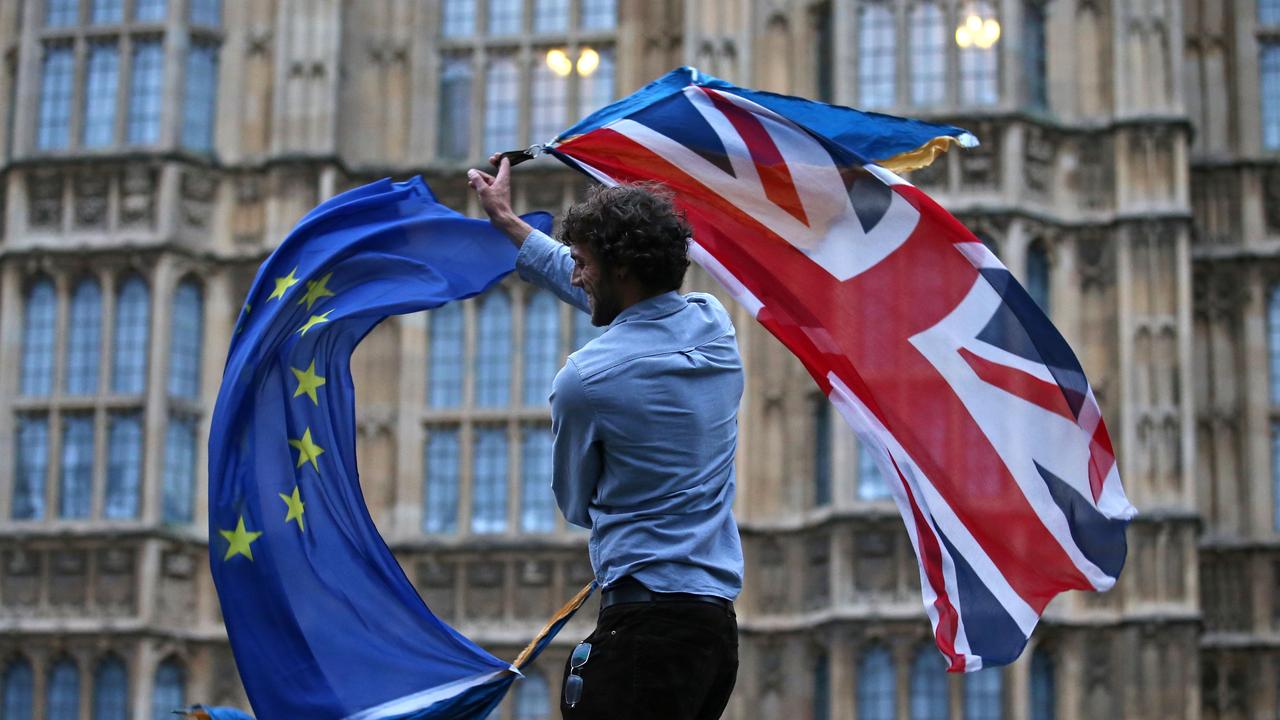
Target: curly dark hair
<point>636,226</point>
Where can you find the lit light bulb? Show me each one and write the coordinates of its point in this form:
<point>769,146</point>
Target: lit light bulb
<point>990,33</point>
<point>559,62</point>
<point>974,24</point>
<point>588,61</point>
<point>964,38</point>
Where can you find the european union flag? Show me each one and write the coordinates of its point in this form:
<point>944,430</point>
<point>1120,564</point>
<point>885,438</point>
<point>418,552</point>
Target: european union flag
<point>322,620</point>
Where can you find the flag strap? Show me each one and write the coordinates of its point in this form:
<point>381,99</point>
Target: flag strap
<point>569,608</point>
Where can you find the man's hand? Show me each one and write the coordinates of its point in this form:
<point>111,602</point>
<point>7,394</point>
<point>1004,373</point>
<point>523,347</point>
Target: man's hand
<point>495,197</point>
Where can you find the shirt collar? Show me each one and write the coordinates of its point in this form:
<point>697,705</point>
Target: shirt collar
<point>652,308</point>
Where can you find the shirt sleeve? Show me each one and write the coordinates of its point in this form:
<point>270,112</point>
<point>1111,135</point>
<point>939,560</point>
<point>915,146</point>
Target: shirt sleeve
<point>577,454</point>
<point>547,264</point>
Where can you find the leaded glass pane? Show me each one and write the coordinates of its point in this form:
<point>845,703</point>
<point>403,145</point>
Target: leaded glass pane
<point>170,690</point>
<point>101,81</point>
<point>19,691</point>
<point>928,54</point>
<point>1038,276</point>
<point>1034,55</point>
<point>455,108</point>
<point>110,691</point>
<point>199,103</point>
<point>596,89</point>
<point>1042,686</point>
<point>62,700</point>
<point>206,12</point>
<point>84,345</point>
<point>541,346</point>
<point>38,339</point>
<point>179,470</point>
<point>54,131</point>
<point>124,466</point>
<point>599,14</point>
<point>493,350</point>
<point>458,18</point>
<point>979,67</point>
<point>550,103</point>
<point>583,330</point>
<point>537,512</point>
<point>533,697</point>
<point>551,15</point>
<point>502,104</point>
<point>133,321</point>
<point>821,451</point>
<point>185,341</point>
<point>31,467</point>
<point>877,59</point>
<point>489,481</point>
<point>983,695</point>
<point>928,699</point>
<point>1269,71</point>
<point>76,487</point>
<point>871,484</point>
<point>106,11</point>
<point>445,361</point>
<point>146,90</point>
<point>877,694</point>
<point>505,16</point>
<point>61,13</point>
<point>440,504</point>
<point>821,687</point>
<point>150,10</point>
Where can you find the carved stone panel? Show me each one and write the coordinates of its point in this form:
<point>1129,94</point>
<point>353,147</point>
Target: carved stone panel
<point>116,580</point>
<point>44,197</point>
<point>1038,158</point>
<point>980,166</point>
<point>1271,199</point>
<point>197,191</point>
<point>68,588</point>
<point>138,196</point>
<point>533,589</point>
<point>932,176</point>
<point>484,590</point>
<point>436,581</point>
<point>874,567</point>
<point>773,584</point>
<point>91,191</point>
<point>817,584</point>
<point>1095,173</point>
<point>20,591</point>
<point>249,219</point>
<point>176,601</point>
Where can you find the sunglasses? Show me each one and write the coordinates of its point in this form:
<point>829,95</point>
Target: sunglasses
<point>573,683</point>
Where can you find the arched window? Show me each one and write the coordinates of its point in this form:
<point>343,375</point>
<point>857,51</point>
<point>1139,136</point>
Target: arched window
<point>541,346</point>
<point>170,691</point>
<point>185,340</point>
<point>983,695</point>
<point>19,691</point>
<point>1042,686</point>
<point>38,336</point>
<point>877,691</point>
<point>32,467</point>
<point>110,691</point>
<point>179,469</point>
<point>980,67</point>
<point>1038,275</point>
<point>537,509</point>
<point>124,465</point>
<point>871,482</point>
<point>1035,57</point>
<point>489,481</point>
<point>928,686</point>
<point>62,698</point>
<point>102,78</point>
<point>493,350</point>
<point>597,89</point>
<point>501,102</point>
<point>821,686</point>
<point>583,331</point>
<point>533,698</point>
<point>821,450</point>
<point>440,504</point>
<point>454,140</point>
<point>877,66</point>
<point>458,18</point>
<point>928,54</point>
<point>84,343</point>
<point>444,364</point>
<point>76,488</point>
<point>133,320</point>
<point>505,16</point>
<point>599,14</point>
<point>550,16</point>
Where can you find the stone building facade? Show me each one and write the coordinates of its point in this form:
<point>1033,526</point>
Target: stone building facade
<point>152,152</point>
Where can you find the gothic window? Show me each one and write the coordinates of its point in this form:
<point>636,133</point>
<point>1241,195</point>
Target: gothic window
<point>101,81</point>
<point>38,338</point>
<point>1034,55</point>
<point>146,90</point>
<point>551,16</point>
<point>107,11</point>
<point>1038,275</point>
<point>32,467</point>
<point>533,697</point>
<point>170,690</point>
<point>541,345</point>
<point>979,67</point>
<point>186,329</point>
<point>110,690</point>
<point>877,694</point>
<point>133,318</point>
<point>454,140</point>
<point>199,101</point>
<point>583,330</point>
<point>19,691</point>
<point>871,482</point>
<point>58,75</point>
<point>76,488</point>
<point>150,10</point>
<point>821,410</point>
<point>505,16</point>
<point>823,23</point>
<point>1269,12</point>
<point>206,12</point>
<point>1042,686</point>
<point>877,67</point>
<point>62,700</point>
<point>821,686</point>
<point>595,89</point>
<point>440,504</point>
<point>124,465</point>
<point>493,350</point>
<point>599,14</point>
<point>179,470</point>
<point>489,481</point>
<point>1269,72</point>
<point>928,54</point>
<point>537,510</point>
<point>61,13</point>
<point>928,686</point>
<point>458,18</point>
<point>445,361</point>
<point>85,342</point>
<point>502,104</point>
<point>982,695</point>
<point>549,102</point>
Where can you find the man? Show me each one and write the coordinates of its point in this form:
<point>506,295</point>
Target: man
<point>645,424</point>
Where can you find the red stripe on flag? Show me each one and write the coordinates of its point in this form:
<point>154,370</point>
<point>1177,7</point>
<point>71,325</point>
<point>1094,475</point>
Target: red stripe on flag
<point>774,174</point>
<point>1020,384</point>
<point>944,634</point>
<point>1101,458</point>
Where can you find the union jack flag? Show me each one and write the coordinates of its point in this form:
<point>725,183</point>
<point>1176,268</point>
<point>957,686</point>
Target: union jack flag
<point>932,352</point>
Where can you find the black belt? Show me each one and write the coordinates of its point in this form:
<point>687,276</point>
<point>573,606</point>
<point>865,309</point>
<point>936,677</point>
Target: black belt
<point>628,590</point>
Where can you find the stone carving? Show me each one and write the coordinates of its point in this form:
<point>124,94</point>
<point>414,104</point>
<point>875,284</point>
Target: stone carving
<point>114,589</point>
<point>932,176</point>
<point>67,586</point>
<point>533,598</point>
<point>1271,199</point>
<point>874,567</point>
<point>138,196</point>
<point>198,190</point>
<point>1038,159</point>
<point>773,576</point>
<point>21,586</point>
<point>1095,174</point>
<point>771,668</point>
<point>91,200</point>
<point>484,590</point>
<point>436,583</point>
<point>176,599</point>
<point>258,41</point>
<point>980,166</point>
<point>44,196</point>
<point>1097,263</point>
<point>818,572</point>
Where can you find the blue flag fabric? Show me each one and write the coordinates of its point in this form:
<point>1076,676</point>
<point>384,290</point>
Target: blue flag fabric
<point>321,618</point>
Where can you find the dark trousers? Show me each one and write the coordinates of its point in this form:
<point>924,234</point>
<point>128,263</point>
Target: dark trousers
<point>667,660</point>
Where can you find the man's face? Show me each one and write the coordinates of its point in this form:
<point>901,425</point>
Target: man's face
<point>598,283</point>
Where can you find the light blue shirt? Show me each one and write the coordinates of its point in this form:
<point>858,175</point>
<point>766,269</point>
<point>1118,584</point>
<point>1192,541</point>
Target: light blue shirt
<point>645,418</point>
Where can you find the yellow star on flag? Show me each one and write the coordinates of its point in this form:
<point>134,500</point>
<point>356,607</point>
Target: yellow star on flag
<point>315,290</point>
<point>307,450</point>
<point>314,321</point>
<point>240,540</point>
<point>296,507</point>
<point>308,381</point>
<point>284,283</point>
